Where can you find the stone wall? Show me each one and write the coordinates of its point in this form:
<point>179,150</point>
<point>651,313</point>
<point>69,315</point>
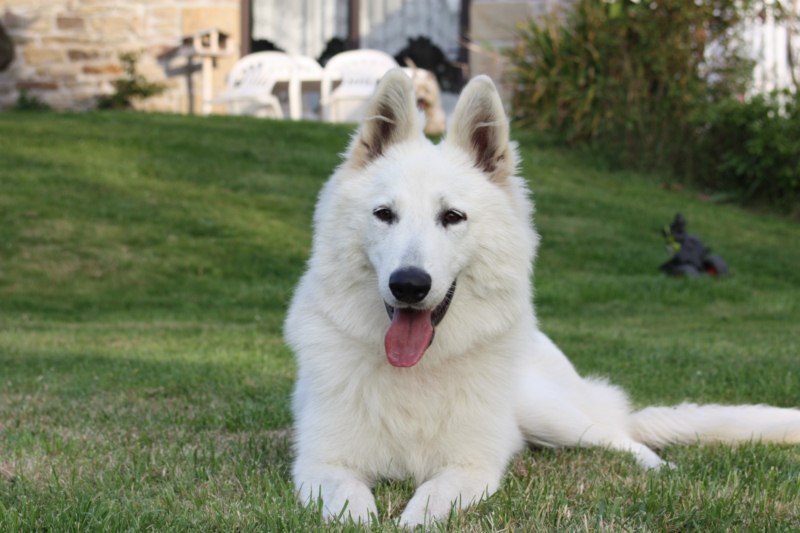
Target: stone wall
<point>67,51</point>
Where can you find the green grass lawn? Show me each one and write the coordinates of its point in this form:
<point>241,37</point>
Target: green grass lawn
<point>146,262</point>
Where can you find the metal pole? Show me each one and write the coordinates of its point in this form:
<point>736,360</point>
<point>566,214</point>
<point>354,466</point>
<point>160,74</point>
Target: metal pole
<point>353,26</point>
<point>463,37</point>
<point>245,17</point>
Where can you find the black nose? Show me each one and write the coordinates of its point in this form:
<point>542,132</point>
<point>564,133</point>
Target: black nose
<point>410,285</point>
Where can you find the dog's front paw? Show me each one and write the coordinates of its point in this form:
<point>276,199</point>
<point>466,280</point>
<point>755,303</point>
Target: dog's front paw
<point>427,508</point>
<point>350,502</point>
<point>449,491</point>
<point>344,495</point>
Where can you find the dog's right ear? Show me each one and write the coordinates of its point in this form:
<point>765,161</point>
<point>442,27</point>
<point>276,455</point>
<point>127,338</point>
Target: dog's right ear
<point>391,117</point>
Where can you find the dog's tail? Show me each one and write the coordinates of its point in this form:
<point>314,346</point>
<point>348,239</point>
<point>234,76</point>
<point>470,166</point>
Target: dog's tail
<point>691,423</point>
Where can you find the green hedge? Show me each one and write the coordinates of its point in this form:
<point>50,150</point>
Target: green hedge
<point>752,149</point>
<point>636,79</point>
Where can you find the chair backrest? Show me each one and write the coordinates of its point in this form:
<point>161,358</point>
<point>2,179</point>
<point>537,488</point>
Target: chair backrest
<point>260,70</point>
<point>358,71</point>
<point>306,68</point>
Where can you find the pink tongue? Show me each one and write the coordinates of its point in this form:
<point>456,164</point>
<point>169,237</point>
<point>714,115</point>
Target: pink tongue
<point>408,337</point>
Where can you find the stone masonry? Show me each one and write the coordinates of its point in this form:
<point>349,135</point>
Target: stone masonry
<point>67,51</point>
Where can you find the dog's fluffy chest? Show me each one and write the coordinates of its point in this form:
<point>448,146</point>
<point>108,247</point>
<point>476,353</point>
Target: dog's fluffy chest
<point>398,422</point>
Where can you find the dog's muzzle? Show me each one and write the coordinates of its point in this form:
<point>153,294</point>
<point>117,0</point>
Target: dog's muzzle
<point>438,312</point>
<point>411,331</point>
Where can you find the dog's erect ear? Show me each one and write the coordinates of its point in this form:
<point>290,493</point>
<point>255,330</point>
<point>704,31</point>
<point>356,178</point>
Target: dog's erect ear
<point>391,117</point>
<point>480,127</point>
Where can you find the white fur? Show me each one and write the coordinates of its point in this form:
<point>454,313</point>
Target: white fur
<point>490,381</point>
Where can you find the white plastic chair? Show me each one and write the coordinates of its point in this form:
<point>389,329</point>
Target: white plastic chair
<point>251,82</point>
<point>357,72</point>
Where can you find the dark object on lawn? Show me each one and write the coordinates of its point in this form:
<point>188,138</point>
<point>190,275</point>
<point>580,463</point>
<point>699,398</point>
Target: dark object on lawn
<point>690,257</point>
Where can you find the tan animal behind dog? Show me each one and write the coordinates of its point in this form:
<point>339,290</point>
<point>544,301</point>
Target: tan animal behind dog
<point>429,98</point>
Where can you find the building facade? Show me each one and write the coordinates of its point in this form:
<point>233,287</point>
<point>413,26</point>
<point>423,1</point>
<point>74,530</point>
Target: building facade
<point>67,51</point>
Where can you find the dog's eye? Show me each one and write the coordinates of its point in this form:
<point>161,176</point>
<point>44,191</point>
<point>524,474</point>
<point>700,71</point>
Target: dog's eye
<point>384,214</point>
<point>452,216</point>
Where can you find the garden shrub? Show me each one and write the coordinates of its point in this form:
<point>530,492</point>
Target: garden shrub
<point>752,148</point>
<point>133,86</point>
<point>640,79</point>
<point>28,102</point>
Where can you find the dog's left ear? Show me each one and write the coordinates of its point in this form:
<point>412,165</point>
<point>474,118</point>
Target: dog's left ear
<point>391,118</point>
<point>480,127</point>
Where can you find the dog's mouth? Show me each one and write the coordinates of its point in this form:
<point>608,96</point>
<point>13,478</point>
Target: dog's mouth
<point>411,331</point>
<point>422,104</point>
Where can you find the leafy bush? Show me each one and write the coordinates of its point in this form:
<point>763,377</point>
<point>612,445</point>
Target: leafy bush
<point>659,85</point>
<point>131,87</point>
<point>627,75</point>
<point>27,102</point>
<point>752,148</point>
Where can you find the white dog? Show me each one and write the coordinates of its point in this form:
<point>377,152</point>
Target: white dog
<point>418,348</point>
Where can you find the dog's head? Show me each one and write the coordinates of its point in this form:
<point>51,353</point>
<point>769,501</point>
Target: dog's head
<point>443,229</point>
